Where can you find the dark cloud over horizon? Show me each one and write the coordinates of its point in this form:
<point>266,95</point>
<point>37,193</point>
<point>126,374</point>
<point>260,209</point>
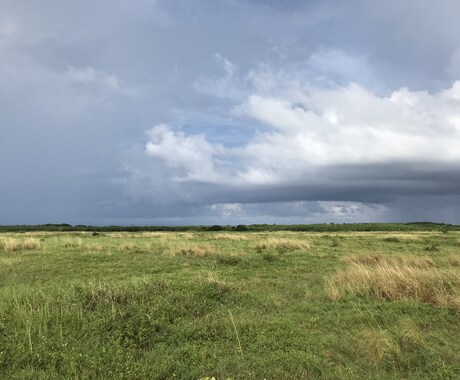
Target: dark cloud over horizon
<point>228,111</point>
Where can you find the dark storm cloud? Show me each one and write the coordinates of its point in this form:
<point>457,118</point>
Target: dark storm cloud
<point>81,82</point>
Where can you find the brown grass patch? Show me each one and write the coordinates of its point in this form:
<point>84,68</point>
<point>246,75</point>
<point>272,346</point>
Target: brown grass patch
<point>396,278</point>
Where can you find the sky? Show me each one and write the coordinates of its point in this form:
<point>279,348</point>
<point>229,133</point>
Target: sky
<point>181,112</point>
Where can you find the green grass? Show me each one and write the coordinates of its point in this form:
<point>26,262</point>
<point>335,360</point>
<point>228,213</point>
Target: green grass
<point>196,304</point>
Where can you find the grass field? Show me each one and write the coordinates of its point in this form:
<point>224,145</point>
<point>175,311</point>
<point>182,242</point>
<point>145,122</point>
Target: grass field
<point>191,305</point>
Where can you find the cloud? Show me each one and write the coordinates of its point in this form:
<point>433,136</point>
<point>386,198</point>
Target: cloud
<point>352,125</point>
<point>90,76</point>
<point>295,212</point>
<point>338,66</point>
<point>348,210</point>
<point>193,154</point>
<point>315,130</point>
<point>225,84</point>
<point>308,108</point>
<point>228,210</point>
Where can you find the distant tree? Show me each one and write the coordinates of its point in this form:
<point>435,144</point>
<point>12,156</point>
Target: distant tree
<point>241,227</point>
<point>215,228</point>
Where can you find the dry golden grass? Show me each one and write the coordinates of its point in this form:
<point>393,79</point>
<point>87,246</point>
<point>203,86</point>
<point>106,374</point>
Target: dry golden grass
<point>115,235</point>
<point>147,246</point>
<point>7,261</point>
<point>407,260</point>
<point>454,260</point>
<point>284,244</point>
<point>167,235</point>
<point>9,244</point>
<point>400,236</point>
<point>397,278</point>
<point>231,236</point>
<point>190,249</point>
<point>196,251</point>
<point>32,234</point>
<point>186,236</point>
<point>12,244</point>
<point>72,242</point>
<point>128,246</point>
<point>96,247</point>
<point>156,235</point>
<point>213,276</point>
<point>30,243</point>
<point>378,345</point>
<point>411,334</point>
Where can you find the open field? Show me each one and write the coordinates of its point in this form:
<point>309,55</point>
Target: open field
<point>239,305</point>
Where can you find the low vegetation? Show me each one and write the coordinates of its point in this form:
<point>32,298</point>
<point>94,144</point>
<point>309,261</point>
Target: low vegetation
<point>230,304</point>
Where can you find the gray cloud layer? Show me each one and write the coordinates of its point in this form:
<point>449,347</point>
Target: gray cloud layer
<point>229,111</point>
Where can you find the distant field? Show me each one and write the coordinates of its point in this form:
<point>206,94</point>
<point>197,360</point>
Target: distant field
<point>227,304</point>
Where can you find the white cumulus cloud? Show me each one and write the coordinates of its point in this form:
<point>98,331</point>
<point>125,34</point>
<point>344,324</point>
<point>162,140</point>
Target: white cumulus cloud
<point>313,128</point>
<point>352,126</point>
<point>194,154</point>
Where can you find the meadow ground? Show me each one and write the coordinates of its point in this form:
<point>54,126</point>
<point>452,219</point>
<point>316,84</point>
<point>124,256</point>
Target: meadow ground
<point>191,305</point>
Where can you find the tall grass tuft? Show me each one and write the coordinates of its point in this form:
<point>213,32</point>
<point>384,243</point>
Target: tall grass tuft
<point>8,261</point>
<point>231,236</point>
<point>454,260</point>
<point>406,260</point>
<point>395,279</point>
<point>71,242</point>
<point>378,345</point>
<point>411,334</point>
<point>190,249</point>
<point>282,244</point>
<point>12,244</point>
<point>128,246</point>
